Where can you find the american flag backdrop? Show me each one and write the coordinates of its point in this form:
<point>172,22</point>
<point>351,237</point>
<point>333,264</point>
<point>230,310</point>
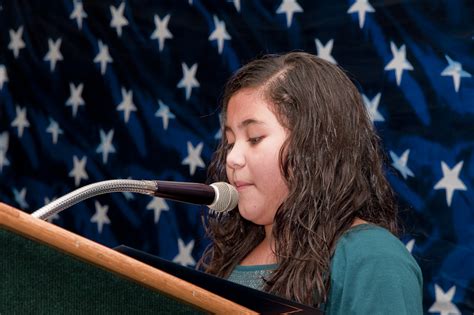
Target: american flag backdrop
<point>98,90</point>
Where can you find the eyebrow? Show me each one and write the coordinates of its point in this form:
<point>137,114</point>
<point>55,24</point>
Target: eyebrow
<point>245,123</point>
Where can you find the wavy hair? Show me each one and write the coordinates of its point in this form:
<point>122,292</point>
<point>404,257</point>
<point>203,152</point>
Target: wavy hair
<point>332,165</point>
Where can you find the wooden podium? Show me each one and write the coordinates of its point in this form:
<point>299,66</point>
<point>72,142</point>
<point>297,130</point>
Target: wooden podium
<point>45,269</point>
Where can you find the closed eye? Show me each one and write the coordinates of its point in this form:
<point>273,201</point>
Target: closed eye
<point>255,140</point>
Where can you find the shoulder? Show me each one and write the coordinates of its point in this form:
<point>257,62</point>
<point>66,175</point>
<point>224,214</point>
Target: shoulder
<point>371,265</point>
<point>368,246</point>
<point>369,241</point>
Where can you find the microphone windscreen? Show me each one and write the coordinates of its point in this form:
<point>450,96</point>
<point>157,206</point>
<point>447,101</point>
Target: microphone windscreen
<point>226,197</point>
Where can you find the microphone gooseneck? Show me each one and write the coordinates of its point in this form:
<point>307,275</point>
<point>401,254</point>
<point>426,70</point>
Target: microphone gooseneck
<point>219,197</point>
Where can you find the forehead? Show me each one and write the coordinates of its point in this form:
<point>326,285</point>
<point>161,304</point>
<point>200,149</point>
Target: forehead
<point>249,104</point>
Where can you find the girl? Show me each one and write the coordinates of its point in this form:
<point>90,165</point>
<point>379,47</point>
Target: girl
<point>316,217</point>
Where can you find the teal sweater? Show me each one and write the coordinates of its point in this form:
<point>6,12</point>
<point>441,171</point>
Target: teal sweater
<point>371,273</point>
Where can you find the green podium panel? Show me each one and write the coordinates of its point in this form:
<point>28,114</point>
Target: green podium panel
<point>38,279</point>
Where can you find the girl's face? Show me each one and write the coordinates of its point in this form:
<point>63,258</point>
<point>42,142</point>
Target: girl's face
<point>255,137</point>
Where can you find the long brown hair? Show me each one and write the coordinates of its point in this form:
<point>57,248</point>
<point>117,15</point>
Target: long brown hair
<point>332,165</point>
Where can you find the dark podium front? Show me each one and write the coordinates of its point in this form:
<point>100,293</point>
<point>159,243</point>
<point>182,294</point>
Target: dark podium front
<point>45,269</point>
<point>255,300</point>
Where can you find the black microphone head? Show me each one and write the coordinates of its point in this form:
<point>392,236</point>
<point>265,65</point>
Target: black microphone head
<point>226,197</point>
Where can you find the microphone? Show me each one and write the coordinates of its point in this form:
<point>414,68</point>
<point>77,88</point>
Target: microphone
<point>219,197</point>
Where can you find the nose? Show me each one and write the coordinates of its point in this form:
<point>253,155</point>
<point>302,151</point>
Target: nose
<point>235,156</point>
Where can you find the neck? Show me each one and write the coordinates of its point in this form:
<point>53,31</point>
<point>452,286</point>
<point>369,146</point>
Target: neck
<point>268,233</point>
<point>358,221</point>
<point>263,254</point>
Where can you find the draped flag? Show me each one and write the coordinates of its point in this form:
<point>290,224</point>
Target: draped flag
<point>98,90</point>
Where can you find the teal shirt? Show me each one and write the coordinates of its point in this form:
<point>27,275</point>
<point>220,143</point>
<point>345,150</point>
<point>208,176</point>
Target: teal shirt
<point>251,276</point>
<point>371,273</point>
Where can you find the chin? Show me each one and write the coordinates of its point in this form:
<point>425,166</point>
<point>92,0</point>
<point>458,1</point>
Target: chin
<point>248,214</point>
<point>252,217</point>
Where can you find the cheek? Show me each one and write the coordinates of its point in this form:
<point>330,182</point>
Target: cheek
<point>275,185</point>
<point>270,174</point>
<point>272,191</point>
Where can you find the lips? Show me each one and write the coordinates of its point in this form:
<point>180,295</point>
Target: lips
<point>240,185</point>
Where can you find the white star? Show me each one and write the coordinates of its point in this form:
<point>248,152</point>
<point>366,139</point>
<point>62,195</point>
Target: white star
<point>128,195</point>
<point>75,99</point>
<point>289,7</point>
<point>4,137</point>
<point>410,244</point>
<point>399,62</point>
<point>218,134</point>
<point>3,160</point>
<point>450,180</point>
<point>165,114</point>
<point>3,150</point>
<point>324,51</point>
<point>103,57</point>
<point>161,30</point>
<point>3,75</point>
<point>118,20</point>
<point>236,4</point>
<point>78,13</point>
<point>372,107</point>
<point>54,216</point>
<point>100,217</point>
<point>126,105</point>
<point>184,256</point>
<point>189,79</point>
<point>400,163</point>
<point>455,70</point>
<point>443,304</point>
<point>53,54</point>
<point>194,157</point>
<point>105,147</point>
<point>79,170</point>
<point>54,130</point>
<point>16,43</point>
<point>20,198</point>
<point>220,34</point>
<point>157,205</point>
<point>20,121</point>
<point>361,7</point>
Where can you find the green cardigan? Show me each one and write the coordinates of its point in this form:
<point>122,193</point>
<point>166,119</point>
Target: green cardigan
<point>371,273</point>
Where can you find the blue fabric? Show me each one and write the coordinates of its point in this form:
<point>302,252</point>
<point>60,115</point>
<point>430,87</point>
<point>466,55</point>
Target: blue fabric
<point>133,115</point>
